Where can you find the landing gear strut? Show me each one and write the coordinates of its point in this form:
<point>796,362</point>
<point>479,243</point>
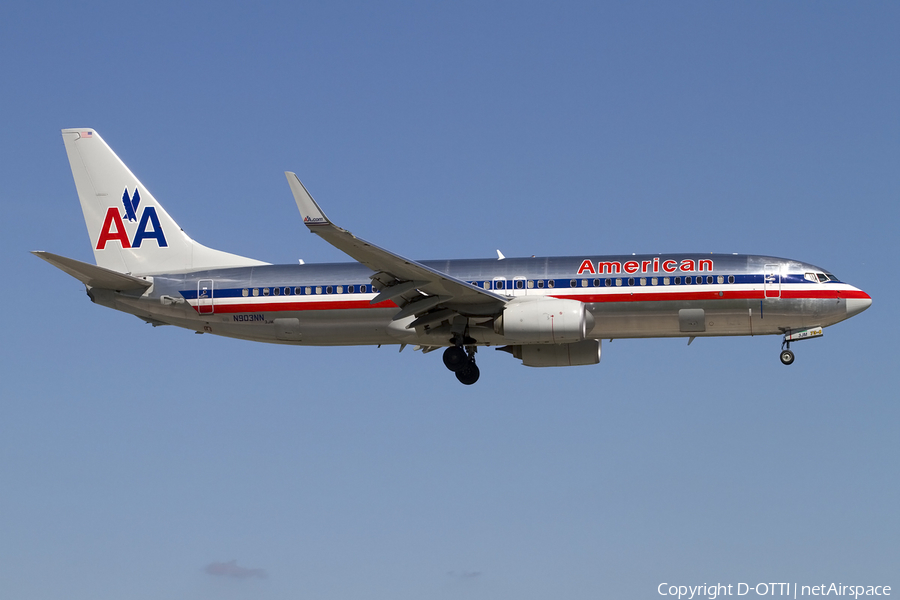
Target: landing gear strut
<point>461,361</point>
<point>787,357</point>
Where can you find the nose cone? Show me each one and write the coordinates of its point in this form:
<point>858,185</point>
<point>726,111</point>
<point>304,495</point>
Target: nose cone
<point>858,304</point>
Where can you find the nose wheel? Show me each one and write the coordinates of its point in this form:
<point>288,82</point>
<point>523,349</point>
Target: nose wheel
<point>787,357</point>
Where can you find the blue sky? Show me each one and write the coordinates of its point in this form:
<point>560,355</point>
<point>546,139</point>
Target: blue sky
<point>139,462</point>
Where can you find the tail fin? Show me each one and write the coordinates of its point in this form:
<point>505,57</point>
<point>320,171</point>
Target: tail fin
<point>130,231</point>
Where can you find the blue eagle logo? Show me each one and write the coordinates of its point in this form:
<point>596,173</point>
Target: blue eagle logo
<point>131,204</point>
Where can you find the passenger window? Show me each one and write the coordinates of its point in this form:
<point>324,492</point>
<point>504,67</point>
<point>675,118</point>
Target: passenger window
<point>276,291</point>
<point>687,280</point>
<point>584,283</point>
<point>265,291</point>
<point>329,289</point>
<point>540,283</point>
<point>608,282</point>
<point>520,285</point>
<point>308,291</point>
<point>666,281</point>
<point>654,281</point>
<point>631,281</point>
<point>551,283</point>
<point>720,279</point>
<point>530,284</point>
<point>256,291</point>
<point>500,284</point>
<point>731,279</point>
<point>572,283</point>
<point>643,281</point>
<point>678,281</point>
<point>318,289</point>
<point>596,283</point>
<point>618,282</point>
<point>245,292</point>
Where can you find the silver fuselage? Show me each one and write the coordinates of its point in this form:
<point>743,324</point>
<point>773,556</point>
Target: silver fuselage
<point>642,296</point>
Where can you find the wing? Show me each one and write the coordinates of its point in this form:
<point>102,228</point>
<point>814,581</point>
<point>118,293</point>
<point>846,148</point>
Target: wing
<point>429,294</point>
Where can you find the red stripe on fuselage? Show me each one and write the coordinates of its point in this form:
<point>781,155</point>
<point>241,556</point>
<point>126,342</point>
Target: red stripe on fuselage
<point>667,296</point>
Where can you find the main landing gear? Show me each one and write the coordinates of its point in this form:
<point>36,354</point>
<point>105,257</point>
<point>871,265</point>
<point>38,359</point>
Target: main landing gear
<point>461,360</point>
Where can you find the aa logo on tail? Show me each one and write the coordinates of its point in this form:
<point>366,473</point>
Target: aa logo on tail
<point>114,227</point>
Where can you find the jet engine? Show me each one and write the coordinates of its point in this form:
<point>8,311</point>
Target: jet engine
<point>557,355</point>
<point>544,321</point>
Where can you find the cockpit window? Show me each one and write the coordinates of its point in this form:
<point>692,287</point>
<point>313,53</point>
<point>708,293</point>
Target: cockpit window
<point>822,277</point>
<point>831,277</point>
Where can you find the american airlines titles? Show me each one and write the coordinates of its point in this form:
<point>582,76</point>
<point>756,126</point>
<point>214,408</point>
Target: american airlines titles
<point>654,265</point>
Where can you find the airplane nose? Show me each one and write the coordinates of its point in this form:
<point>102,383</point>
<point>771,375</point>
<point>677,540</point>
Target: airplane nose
<point>857,305</point>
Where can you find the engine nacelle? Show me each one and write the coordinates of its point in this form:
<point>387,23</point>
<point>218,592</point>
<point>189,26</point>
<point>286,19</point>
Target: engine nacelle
<point>539,320</point>
<point>558,355</point>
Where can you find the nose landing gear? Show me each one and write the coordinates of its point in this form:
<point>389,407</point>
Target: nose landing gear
<point>787,356</point>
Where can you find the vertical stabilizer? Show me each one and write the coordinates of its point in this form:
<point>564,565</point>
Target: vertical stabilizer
<point>130,231</point>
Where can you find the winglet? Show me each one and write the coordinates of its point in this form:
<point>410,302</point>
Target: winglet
<point>309,210</point>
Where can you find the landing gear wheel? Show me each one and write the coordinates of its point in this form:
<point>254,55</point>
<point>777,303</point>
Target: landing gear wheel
<point>455,358</point>
<point>787,357</point>
<point>469,373</point>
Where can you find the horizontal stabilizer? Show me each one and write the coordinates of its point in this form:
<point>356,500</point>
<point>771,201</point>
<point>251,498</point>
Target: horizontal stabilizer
<point>92,275</point>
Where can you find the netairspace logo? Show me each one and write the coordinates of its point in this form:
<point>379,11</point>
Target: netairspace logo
<point>771,589</point>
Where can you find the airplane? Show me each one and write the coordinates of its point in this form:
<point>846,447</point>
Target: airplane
<point>545,311</point>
